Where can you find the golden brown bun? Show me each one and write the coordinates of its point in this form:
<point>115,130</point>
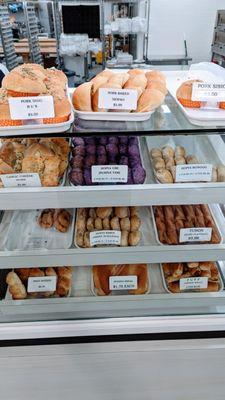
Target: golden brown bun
<point>119,79</point>
<point>95,96</point>
<point>16,287</point>
<point>56,75</point>
<point>82,97</point>
<point>97,82</point>
<point>28,83</point>
<point>106,73</point>
<point>184,94</point>
<point>135,71</point>
<point>158,85</point>
<point>155,75</point>
<point>136,81</point>
<point>150,100</point>
<point>62,108</point>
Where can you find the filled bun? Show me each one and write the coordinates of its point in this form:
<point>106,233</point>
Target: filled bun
<point>23,84</point>
<point>150,100</point>
<point>82,97</point>
<point>184,94</point>
<point>155,75</point>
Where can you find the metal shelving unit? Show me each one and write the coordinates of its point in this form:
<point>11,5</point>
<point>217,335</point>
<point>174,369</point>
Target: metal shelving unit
<point>10,56</point>
<point>218,44</point>
<point>32,32</point>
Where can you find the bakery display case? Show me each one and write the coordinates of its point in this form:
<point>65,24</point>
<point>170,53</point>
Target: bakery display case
<point>118,218</point>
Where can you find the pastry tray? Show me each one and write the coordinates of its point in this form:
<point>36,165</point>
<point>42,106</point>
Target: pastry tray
<point>104,184</point>
<point>120,292</point>
<point>208,149</point>
<point>114,116</point>
<point>145,229</point>
<point>212,210</point>
<point>200,116</point>
<point>25,234</point>
<point>192,291</point>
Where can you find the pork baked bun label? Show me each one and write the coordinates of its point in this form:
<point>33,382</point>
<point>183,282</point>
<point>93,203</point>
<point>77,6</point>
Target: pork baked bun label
<point>31,107</point>
<point>118,99</point>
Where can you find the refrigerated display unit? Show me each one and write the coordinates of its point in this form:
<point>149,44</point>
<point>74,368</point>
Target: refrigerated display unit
<point>115,289</point>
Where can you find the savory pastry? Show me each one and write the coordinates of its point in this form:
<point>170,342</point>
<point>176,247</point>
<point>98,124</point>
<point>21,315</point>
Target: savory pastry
<point>16,287</point>
<point>5,116</point>
<point>121,212</point>
<point>150,100</point>
<point>64,281</point>
<point>136,81</point>
<point>156,153</point>
<point>135,223</point>
<point>158,163</point>
<point>62,108</point>
<point>180,151</point>
<point>25,80</point>
<point>192,160</point>
<point>46,218</point>
<point>158,85</point>
<point>180,160</point>
<point>124,238</point>
<point>136,71</point>
<point>62,220</point>
<point>118,79</point>
<point>98,224</point>
<point>134,238</point>
<point>155,75</point>
<point>164,176</point>
<point>184,94</point>
<point>115,224</point>
<point>82,97</point>
<point>23,273</point>
<point>221,173</point>
<point>169,162</point>
<point>98,81</point>
<point>125,224</point>
<point>95,96</point>
<point>104,212</point>
<point>167,151</point>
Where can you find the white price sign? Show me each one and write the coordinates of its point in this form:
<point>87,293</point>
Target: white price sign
<point>193,283</point>
<point>194,173</point>
<point>21,180</point>
<point>109,173</point>
<point>208,91</point>
<point>195,235</point>
<point>117,99</point>
<point>128,282</point>
<point>42,284</point>
<point>31,107</point>
<point>105,238</point>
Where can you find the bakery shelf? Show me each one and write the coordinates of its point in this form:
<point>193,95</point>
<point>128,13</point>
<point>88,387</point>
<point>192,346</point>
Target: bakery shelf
<point>86,305</point>
<point>149,193</point>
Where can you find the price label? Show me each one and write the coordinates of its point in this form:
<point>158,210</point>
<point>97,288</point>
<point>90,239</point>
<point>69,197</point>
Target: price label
<point>208,91</point>
<point>31,107</point>
<point>194,173</point>
<point>195,235</point>
<point>109,173</point>
<point>123,282</point>
<point>36,243</point>
<point>117,99</point>
<point>42,284</point>
<point>105,238</point>
<point>21,180</point>
<point>193,283</point>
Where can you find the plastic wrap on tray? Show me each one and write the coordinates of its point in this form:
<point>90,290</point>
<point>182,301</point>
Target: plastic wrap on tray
<point>191,277</point>
<point>107,226</point>
<point>183,224</point>
<point>32,283</point>
<point>129,279</point>
<point>118,157</point>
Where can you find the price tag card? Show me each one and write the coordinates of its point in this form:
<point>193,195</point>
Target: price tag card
<point>105,238</point>
<point>31,107</point>
<point>193,283</point>
<point>123,282</point>
<point>208,91</point>
<point>194,173</point>
<point>109,173</point>
<point>195,235</point>
<point>21,180</point>
<point>117,99</point>
<point>42,284</point>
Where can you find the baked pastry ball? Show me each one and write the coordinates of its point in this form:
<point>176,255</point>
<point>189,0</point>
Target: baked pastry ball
<point>167,151</point>
<point>156,153</point>
<point>26,80</point>
<point>184,94</point>
<point>164,176</point>
<point>5,117</point>
<point>158,163</point>
<point>81,98</point>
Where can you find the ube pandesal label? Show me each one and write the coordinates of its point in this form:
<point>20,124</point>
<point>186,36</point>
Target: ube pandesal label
<point>194,173</point>
<point>41,284</point>
<point>109,173</point>
<point>105,238</point>
<point>195,235</point>
<point>21,180</point>
<point>118,99</point>
<point>31,107</point>
<point>128,282</point>
<point>195,282</point>
<point>208,91</point>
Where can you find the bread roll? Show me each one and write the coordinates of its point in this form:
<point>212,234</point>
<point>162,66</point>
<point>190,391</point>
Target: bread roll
<point>5,116</point>
<point>135,223</point>
<point>16,287</point>
<point>90,224</point>
<point>134,238</point>
<point>164,176</point>
<point>156,153</point>
<point>184,94</point>
<point>158,85</point>
<point>136,71</point>
<point>92,213</point>
<point>155,75</point>
<point>80,238</point>
<point>104,212</point>
<point>191,160</point>
<point>125,224</point>
<point>115,224</point>
<point>107,73</point>
<point>121,212</point>
<point>136,81</point>
<point>82,97</point>
<point>118,79</point>
<point>180,160</point>
<point>106,224</point>
<point>150,100</point>
<point>169,162</point>
<point>98,224</point>
<point>64,281</point>
<point>97,82</point>
<point>24,82</point>
<point>167,151</point>
<point>221,173</point>
<point>158,163</point>
<point>95,96</point>
<point>214,175</point>
<point>180,151</point>
<point>124,238</point>
<point>86,239</point>
<point>134,211</point>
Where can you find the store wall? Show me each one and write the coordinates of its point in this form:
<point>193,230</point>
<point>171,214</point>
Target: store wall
<point>173,20</point>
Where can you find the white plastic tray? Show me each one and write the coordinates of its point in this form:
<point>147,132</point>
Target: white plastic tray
<point>191,291</point>
<point>120,292</point>
<point>114,116</point>
<point>201,116</point>
<point>24,233</point>
<point>218,210</point>
<point>207,149</point>
<point>35,129</point>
